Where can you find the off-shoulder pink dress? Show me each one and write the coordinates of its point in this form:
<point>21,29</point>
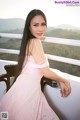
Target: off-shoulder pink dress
<point>25,100</point>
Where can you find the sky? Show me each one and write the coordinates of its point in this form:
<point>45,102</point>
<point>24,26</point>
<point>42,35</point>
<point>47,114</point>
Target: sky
<point>56,13</point>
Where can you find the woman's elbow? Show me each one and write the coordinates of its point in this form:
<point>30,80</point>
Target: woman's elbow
<point>45,72</point>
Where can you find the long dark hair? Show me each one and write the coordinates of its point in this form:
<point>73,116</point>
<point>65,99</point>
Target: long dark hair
<point>26,38</point>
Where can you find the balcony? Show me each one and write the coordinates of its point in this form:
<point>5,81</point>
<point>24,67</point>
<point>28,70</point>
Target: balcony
<point>67,108</point>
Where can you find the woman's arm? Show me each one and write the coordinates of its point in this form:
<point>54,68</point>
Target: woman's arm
<point>64,84</point>
<point>39,57</point>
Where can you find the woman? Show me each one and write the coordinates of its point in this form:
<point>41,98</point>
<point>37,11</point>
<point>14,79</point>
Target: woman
<point>25,101</point>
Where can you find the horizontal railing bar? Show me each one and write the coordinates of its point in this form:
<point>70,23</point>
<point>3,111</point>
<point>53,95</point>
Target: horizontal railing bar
<point>9,51</point>
<point>63,41</point>
<point>9,35</point>
<point>8,61</point>
<point>48,39</point>
<point>64,59</point>
<point>52,57</point>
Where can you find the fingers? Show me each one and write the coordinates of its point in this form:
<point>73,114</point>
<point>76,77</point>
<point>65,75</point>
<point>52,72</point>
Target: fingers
<point>68,89</point>
<point>65,90</point>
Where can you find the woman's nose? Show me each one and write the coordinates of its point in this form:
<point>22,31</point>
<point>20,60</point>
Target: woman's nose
<point>40,28</point>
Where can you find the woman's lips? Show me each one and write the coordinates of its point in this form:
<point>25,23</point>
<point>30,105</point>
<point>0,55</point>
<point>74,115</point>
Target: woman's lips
<point>40,34</point>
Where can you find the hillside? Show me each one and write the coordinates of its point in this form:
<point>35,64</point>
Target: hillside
<point>16,25</point>
<point>11,24</point>
<point>67,27</point>
<point>63,33</point>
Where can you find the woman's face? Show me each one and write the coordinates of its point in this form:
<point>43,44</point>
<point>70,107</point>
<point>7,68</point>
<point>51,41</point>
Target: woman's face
<point>38,26</point>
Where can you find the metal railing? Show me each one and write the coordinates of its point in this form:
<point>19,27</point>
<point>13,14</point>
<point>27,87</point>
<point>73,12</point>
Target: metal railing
<point>70,42</point>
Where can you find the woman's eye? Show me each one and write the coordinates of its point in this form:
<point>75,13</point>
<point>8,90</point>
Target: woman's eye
<point>35,25</point>
<point>43,24</point>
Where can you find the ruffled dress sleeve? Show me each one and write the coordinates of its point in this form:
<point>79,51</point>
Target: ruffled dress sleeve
<point>42,65</point>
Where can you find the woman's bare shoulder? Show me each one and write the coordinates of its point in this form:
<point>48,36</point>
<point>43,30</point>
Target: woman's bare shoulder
<point>36,42</point>
<point>32,45</point>
<point>37,51</point>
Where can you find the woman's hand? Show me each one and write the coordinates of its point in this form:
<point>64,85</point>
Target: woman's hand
<point>65,88</point>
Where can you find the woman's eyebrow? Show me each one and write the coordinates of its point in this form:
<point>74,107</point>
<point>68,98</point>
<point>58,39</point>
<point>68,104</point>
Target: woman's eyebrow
<point>38,23</point>
<point>35,23</point>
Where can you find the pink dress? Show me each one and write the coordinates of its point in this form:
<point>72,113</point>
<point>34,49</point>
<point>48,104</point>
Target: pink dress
<point>25,100</point>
